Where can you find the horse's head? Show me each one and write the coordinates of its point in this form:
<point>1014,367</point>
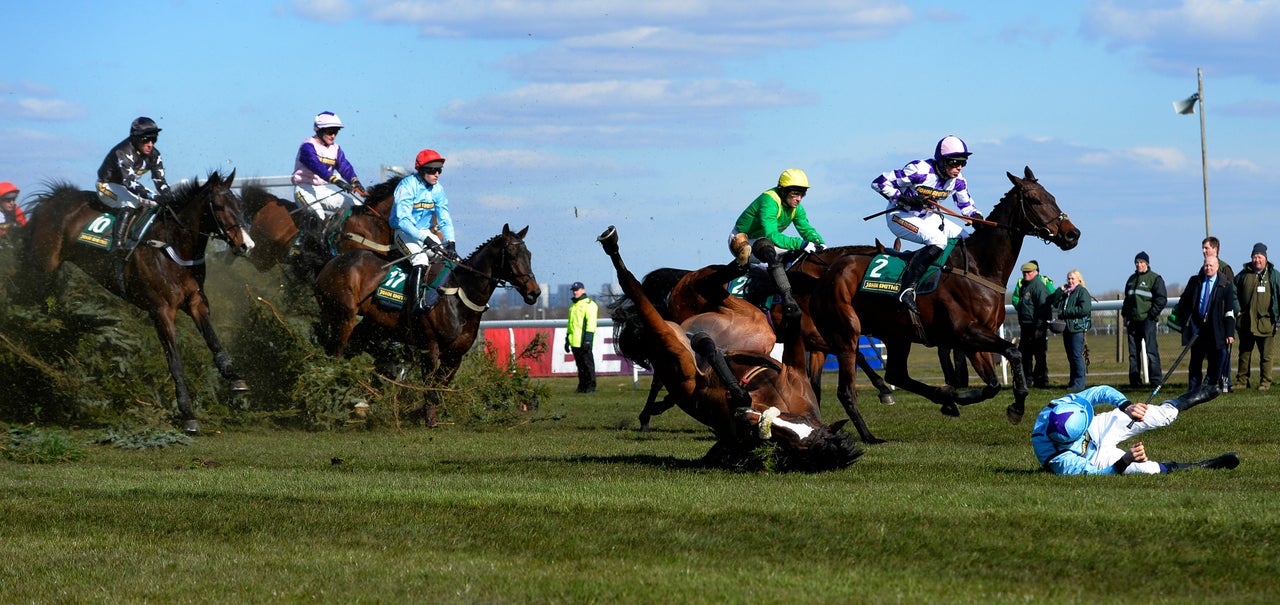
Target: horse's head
<point>1034,211</point>
<point>516,267</point>
<point>807,444</point>
<point>224,219</point>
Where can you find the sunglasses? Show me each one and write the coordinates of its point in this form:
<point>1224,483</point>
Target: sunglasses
<point>329,131</point>
<point>432,170</point>
<point>959,163</point>
<point>146,140</point>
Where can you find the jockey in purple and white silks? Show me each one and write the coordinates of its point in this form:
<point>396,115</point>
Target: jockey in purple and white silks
<point>324,182</point>
<point>909,215</point>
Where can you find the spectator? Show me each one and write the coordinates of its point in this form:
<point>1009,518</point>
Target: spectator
<point>1144,299</point>
<point>1070,440</point>
<point>11,215</point>
<point>1075,307</point>
<point>1207,312</point>
<point>1210,246</point>
<point>1031,300</point>
<point>580,336</point>
<point>1258,291</point>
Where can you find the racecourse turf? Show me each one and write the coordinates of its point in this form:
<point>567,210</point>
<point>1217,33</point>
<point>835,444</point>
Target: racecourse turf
<point>575,505</point>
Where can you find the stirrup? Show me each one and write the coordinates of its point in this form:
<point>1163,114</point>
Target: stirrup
<point>908,298</point>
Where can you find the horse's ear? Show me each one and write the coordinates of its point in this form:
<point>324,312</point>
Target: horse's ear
<point>1017,182</point>
<point>1030,176</point>
<point>506,228</point>
<point>232,177</point>
<point>522,232</point>
<point>837,427</point>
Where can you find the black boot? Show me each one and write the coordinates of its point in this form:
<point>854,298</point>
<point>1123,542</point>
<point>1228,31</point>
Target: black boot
<point>1191,399</point>
<point>120,234</point>
<point>1226,461</point>
<point>763,250</point>
<point>413,289</point>
<point>706,347</point>
<point>919,263</point>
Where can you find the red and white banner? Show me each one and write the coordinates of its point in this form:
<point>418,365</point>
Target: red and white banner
<point>508,342</point>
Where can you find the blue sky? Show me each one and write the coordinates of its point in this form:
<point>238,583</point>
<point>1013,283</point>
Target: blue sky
<point>667,118</point>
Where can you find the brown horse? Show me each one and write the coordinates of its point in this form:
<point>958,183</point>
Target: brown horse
<point>660,287</point>
<point>164,274</point>
<point>716,366</point>
<point>345,291</point>
<point>964,312</point>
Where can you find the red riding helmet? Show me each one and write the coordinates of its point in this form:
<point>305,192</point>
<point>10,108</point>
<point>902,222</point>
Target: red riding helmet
<point>426,156</point>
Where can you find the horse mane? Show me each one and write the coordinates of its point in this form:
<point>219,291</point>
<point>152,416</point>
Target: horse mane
<point>385,188</point>
<point>254,198</point>
<point>482,246</point>
<point>629,331</point>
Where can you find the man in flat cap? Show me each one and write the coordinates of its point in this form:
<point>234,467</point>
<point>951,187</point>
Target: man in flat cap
<point>1144,299</point>
<point>1258,290</point>
<point>1031,300</point>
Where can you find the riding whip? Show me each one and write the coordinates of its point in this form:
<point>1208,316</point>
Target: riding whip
<point>1170,372</point>
<point>947,211</point>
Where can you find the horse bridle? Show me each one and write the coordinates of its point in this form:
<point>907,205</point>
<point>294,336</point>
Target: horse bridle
<point>1043,232</point>
<point>223,230</point>
<point>499,281</point>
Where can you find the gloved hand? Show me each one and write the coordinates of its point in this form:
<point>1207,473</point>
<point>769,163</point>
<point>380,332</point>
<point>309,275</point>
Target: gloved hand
<point>809,247</point>
<point>909,199</point>
<point>567,348</point>
<point>821,246</point>
<point>977,215</point>
<point>343,185</point>
<point>451,247</point>
<point>164,199</point>
<point>358,188</point>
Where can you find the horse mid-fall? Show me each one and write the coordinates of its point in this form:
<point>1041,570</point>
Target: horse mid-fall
<point>164,274</point>
<point>346,291</point>
<point>965,310</point>
<point>715,365</point>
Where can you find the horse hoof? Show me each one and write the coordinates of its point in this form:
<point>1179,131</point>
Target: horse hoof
<point>887,399</point>
<point>609,240</point>
<point>950,409</point>
<point>239,385</point>
<point>191,427</point>
<point>870,440</point>
<point>1013,414</point>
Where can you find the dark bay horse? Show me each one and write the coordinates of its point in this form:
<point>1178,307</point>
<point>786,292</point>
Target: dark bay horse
<point>163,275</point>
<point>716,366</point>
<point>346,286</point>
<point>678,305</point>
<point>965,311</point>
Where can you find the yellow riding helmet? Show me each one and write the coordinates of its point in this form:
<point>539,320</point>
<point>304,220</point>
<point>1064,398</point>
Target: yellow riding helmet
<point>793,177</point>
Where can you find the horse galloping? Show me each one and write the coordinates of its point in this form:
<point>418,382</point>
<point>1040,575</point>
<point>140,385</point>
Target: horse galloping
<point>964,312</point>
<point>164,273</point>
<point>716,366</point>
<point>345,291</point>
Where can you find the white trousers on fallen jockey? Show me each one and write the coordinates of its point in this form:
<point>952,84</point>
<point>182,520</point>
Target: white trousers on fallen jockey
<point>419,255</point>
<point>323,200</point>
<point>1111,428</point>
<point>115,196</point>
<point>752,243</point>
<point>932,230</point>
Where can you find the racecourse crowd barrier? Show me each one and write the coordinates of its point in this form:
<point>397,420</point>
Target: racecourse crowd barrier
<point>509,338</point>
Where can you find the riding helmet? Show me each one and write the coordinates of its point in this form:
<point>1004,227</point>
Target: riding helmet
<point>427,156</point>
<point>1068,421</point>
<point>327,119</point>
<point>951,147</point>
<point>793,177</point>
<point>143,127</point>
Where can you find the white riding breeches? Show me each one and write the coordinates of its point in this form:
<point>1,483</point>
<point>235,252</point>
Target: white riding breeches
<point>419,255</point>
<point>114,195</point>
<point>1111,428</point>
<point>324,200</point>
<point>931,230</point>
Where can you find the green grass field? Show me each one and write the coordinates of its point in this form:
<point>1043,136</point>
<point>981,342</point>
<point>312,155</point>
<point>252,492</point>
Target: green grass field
<point>575,505</point>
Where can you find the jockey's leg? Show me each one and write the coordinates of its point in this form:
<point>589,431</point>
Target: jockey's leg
<point>915,270</point>
<point>764,250</point>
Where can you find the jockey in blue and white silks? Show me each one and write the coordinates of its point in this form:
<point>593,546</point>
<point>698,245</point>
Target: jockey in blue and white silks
<point>324,182</point>
<point>418,199</point>
<point>909,215</point>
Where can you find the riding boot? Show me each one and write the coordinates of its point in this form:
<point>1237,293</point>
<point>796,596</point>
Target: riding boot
<point>706,347</point>
<point>1191,399</point>
<point>790,309</point>
<point>413,290</point>
<point>120,235</point>
<point>919,263</point>
<point>1227,461</point>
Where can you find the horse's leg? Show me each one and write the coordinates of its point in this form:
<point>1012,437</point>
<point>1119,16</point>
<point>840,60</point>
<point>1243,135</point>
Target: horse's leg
<point>816,361</point>
<point>162,317</point>
<point>886,393</point>
<point>847,393</point>
<point>896,372</point>
<point>198,309</point>
<point>652,407</point>
<point>978,343</point>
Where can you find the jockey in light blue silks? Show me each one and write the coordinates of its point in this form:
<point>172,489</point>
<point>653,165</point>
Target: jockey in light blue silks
<point>324,182</point>
<point>911,218</point>
<point>418,199</point>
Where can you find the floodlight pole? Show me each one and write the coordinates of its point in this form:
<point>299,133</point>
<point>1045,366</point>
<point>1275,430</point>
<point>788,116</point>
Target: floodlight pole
<point>1204,157</point>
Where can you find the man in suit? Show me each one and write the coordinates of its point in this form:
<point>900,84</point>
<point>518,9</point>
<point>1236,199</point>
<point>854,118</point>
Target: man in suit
<point>1207,309</point>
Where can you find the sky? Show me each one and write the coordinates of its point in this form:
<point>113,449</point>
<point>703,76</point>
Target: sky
<point>667,118</point>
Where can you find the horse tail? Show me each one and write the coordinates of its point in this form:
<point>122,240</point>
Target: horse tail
<point>659,284</point>
<point>629,331</point>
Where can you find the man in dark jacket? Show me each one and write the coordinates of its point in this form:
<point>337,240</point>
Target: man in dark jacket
<point>1258,290</point>
<point>1207,309</point>
<point>1032,303</point>
<point>1144,299</point>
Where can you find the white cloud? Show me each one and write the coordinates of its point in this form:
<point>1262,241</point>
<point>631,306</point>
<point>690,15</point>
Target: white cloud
<point>1163,159</point>
<point>329,11</point>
